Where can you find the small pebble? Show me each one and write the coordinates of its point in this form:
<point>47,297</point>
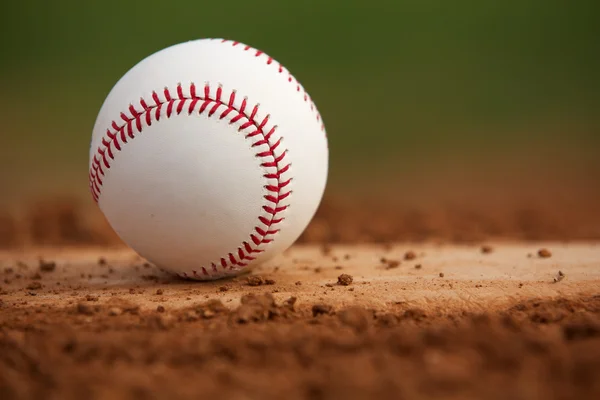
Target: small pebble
<point>485,249</point>
<point>34,286</point>
<point>255,280</point>
<point>544,253</point>
<point>47,266</point>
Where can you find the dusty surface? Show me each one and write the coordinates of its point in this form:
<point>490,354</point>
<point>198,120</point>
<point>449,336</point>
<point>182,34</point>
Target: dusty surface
<point>382,277</point>
<point>454,290</point>
<point>413,321</point>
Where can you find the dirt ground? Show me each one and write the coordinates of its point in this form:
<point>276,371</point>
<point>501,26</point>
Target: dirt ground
<point>354,321</point>
<point>472,301</point>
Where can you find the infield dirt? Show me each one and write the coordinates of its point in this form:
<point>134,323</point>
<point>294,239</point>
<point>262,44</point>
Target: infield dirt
<point>471,301</point>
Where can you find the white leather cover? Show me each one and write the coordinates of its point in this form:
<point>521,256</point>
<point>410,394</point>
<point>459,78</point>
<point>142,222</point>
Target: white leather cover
<point>208,157</point>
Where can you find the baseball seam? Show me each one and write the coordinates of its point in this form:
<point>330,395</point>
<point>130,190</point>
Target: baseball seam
<point>282,70</point>
<point>212,105</point>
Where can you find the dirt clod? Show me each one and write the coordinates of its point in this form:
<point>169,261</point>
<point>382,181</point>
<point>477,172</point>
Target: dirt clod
<point>255,280</point>
<point>159,292</point>
<point>486,249</point>
<point>34,286</point>
<point>255,308</point>
<point>544,253</point>
<point>47,266</point>
<point>344,279</point>
<point>410,255</point>
<point>441,274</point>
<point>321,309</point>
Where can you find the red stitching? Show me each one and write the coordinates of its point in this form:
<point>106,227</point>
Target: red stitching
<point>281,69</point>
<point>110,144</point>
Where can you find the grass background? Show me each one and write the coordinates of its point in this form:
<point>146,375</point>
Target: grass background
<point>403,86</point>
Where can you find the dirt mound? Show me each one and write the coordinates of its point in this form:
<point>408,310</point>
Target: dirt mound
<point>264,350</point>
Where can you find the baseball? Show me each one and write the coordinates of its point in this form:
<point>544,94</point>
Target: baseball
<point>208,157</point>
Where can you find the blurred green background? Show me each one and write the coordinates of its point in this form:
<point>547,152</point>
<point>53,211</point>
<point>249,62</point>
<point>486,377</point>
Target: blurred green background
<point>403,86</point>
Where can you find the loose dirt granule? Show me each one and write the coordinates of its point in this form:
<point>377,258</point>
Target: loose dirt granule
<point>223,288</point>
<point>269,282</point>
<point>36,276</point>
<point>255,280</point>
<point>391,264</point>
<point>410,255</point>
<point>102,261</point>
<point>345,279</point>
<point>418,266</point>
<point>159,292</point>
<point>544,253</point>
<point>47,266</point>
<point>298,283</point>
<point>34,286</point>
<point>486,249</point>
<point>320,309</point>
<point>441,274</point>
<point>160,309</point>
<point>89,297</point>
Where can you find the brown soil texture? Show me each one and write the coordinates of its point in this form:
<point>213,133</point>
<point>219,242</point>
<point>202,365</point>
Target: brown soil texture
<point>264,350</point>
<point>546,215</point>
<point>508,323</point>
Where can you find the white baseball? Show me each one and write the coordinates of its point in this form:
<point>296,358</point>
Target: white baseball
<point>208,157</point>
